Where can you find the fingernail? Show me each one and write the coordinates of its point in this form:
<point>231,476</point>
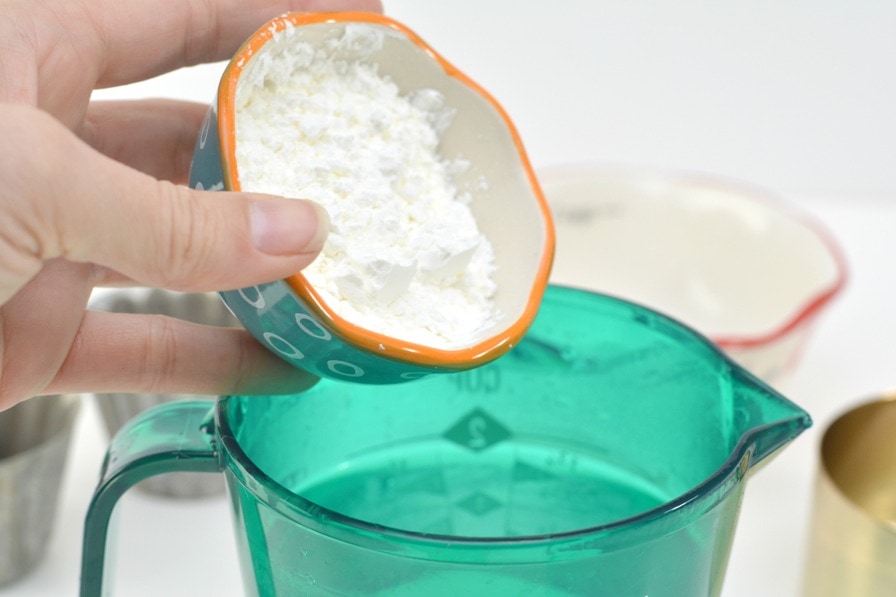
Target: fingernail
<point>288,226</point>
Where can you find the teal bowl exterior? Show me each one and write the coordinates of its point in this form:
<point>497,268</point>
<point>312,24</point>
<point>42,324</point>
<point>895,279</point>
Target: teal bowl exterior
<point>279,318</point>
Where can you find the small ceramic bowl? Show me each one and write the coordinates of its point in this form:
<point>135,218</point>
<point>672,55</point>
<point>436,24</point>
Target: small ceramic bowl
<point>735,262</point>
<point>290,316</point>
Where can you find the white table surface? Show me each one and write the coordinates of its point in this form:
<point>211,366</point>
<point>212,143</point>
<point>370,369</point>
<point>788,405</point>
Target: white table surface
<point>799,99</point>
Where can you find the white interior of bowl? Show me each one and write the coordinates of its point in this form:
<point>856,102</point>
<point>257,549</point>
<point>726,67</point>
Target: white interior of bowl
<point>730,261</point>
<point>503,199</point>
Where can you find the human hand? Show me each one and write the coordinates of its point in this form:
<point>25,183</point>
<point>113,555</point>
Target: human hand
<point>91,194</point>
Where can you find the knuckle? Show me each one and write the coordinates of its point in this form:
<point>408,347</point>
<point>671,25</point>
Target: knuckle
<point>29,219</point>
<point>184,256</point>
<point>159,363</point>
<point>203,15</point>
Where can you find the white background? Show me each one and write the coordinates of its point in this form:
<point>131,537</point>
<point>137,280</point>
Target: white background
<point>799,97</point>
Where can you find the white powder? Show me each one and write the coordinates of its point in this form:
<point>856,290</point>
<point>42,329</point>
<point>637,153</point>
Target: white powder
<point>404,257</point>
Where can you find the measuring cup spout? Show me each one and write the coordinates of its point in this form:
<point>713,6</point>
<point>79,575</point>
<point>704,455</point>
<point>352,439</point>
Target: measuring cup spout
<point>763,419</point>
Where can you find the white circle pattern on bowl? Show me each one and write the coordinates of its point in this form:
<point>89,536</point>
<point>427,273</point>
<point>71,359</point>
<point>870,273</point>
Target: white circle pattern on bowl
<point>299,336</point>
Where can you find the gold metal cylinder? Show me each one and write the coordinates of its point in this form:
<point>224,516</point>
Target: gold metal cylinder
<point>852,540</point>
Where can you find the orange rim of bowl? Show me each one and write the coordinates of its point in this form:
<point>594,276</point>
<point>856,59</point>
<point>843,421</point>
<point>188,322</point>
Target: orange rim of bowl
<point>380,344</point>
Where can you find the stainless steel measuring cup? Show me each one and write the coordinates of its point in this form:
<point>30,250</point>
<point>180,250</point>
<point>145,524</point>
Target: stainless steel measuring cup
<point>34,440</point>
<point>852,542</point>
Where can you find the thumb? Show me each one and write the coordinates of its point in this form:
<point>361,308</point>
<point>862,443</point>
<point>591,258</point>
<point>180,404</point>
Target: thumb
<point>76,203</point>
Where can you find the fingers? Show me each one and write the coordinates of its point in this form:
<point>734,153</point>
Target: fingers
<point>186,32</point>
<point>37,326</point>
<point>153,136</point>
<point>90,208</point>
<point>119,352</point>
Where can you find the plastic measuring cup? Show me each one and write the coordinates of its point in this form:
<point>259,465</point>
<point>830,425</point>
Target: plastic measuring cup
<point>606,454</point>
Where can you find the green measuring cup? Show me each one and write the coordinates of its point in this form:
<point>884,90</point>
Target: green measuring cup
<point>606,454</point>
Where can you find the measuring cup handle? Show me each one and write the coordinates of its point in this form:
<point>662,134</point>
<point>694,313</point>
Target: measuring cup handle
<point>172,437</point>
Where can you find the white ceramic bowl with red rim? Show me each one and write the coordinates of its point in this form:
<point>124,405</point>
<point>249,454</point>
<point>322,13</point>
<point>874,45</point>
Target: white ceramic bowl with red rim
<point>736,262</point>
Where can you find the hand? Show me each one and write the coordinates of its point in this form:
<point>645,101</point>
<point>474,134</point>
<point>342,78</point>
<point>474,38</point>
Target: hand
<point>90,194</point>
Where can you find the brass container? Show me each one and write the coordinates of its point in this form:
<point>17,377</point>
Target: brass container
<point>852,541</point>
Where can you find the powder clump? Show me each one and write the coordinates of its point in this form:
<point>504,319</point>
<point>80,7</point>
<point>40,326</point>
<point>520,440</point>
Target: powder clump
<point>405,257</point>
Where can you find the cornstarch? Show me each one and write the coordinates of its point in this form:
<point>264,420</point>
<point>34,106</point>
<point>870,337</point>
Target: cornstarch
<point>405,257</point>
